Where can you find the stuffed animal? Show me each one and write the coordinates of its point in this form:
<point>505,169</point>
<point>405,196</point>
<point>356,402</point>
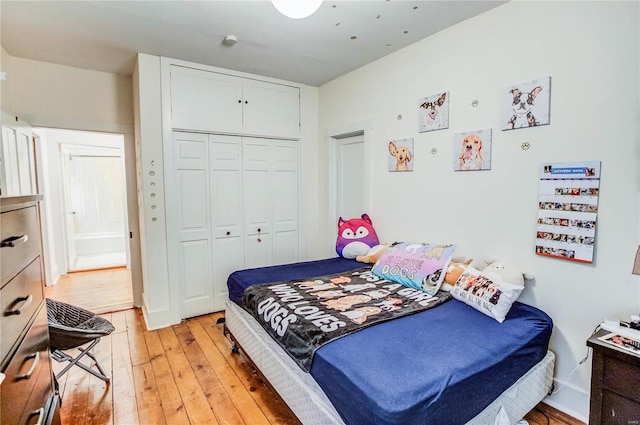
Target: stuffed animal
<point>454,271</point>
<point>373,254</point>
<point>355,237</point>
<point>509,272</point>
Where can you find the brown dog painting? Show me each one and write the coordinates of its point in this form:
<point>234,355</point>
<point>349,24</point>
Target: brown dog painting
<point>473,150</point>
<point>401,156</point>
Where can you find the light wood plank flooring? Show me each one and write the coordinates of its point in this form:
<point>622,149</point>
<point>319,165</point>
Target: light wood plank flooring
<point>184,374</point>
<point>100,291</point>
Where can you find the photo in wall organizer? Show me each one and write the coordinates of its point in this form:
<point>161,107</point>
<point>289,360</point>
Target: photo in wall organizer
<point>433,112</point>
<point>526,104</point>
<point>401,155</point>
<point>568,210</point>
<point>472,150</point>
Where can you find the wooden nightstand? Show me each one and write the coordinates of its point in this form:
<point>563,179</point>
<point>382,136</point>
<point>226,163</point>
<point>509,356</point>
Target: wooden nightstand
<point>615,384</point>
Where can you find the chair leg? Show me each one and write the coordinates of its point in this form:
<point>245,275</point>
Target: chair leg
<point>61,356</point>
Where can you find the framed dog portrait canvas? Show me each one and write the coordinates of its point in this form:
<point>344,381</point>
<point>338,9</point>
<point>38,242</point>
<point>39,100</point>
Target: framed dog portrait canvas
<point>433,112</point>
<point>526,104</point>
<point>472,150</point>
<point>401,155</point>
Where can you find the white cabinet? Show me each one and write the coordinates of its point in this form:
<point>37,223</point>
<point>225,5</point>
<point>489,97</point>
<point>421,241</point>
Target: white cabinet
<point>17,158</point>
<point>215,102</point>
<point>236,206</point>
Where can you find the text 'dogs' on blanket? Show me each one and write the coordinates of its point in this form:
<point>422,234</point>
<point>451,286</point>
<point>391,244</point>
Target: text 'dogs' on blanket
<point>303,315</point>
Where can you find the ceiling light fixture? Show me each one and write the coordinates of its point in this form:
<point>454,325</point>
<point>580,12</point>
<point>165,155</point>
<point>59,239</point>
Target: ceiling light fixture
<point>297,9</point>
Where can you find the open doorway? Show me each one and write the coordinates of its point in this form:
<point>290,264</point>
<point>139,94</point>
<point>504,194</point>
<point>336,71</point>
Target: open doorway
<point>95,206</point>
<point>84,210</point>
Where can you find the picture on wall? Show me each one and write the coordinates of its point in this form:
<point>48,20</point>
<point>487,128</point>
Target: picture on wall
<point>433,112</point>
<point>401,155</point>
<point>567,210</point>
<point>526,104</point>
<point>472,150</point>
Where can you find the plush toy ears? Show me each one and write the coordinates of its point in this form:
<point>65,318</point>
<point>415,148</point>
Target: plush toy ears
<point>525,275</point>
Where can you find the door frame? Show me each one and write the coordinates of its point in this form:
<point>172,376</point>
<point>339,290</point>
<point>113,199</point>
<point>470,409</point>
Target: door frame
<point>332,137</point>
<point>54,194</point>
<point>117,146</point>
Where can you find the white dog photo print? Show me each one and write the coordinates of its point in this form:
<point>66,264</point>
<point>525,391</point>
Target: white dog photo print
<point>433,112</point>
<point>401,155</point>
<point>472,150</point>
<point>526,104</point>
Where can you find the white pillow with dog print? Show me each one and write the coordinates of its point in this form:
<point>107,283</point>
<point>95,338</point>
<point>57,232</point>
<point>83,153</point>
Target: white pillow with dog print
<point>486,292</point>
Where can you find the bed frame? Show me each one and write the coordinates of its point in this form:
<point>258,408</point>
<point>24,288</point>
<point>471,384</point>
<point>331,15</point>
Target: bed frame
<point>309,403</point>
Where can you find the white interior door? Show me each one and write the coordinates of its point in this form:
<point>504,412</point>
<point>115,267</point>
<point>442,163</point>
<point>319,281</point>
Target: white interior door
<point>226,206</point>
<point>95,206</point>
<point>350,177</point>
<point>284,171</point>
<point>256,158</point>
<point>193,223</point>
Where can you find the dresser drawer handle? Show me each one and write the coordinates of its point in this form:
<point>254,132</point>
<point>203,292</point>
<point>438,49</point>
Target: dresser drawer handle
<point>26,302</point>
<point>14,241</point>
<point>36,359</point>
<point>40,413</point>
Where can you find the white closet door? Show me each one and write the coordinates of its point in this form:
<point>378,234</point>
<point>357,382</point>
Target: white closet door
<point>191,202</point>
<point>284,195</point>
<point>203,100</point>
<point>257,201</point>
<point>226,205</point>
<point>271,109</point>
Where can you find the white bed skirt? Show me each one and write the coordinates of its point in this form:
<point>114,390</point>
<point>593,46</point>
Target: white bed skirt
<point>310,404</point>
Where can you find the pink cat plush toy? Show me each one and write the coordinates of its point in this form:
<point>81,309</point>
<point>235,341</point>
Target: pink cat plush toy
<point>355,237</point>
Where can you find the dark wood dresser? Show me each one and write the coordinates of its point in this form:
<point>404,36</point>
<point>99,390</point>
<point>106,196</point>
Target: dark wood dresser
<point>615,384</point>
<point>28,392</point>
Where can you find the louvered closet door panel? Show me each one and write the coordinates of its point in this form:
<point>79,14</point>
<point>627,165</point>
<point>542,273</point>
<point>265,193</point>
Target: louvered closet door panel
<point>226,206</point>
<point>207,101</point>
<point>284,169</point>
<point>191,203</point>
<point>256,183</point>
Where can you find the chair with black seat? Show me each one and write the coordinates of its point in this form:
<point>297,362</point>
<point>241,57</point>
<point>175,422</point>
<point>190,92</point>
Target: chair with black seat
<point>74,327</point>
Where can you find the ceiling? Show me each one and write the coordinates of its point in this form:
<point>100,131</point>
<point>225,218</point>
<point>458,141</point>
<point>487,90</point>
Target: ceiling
<point>341,36</point>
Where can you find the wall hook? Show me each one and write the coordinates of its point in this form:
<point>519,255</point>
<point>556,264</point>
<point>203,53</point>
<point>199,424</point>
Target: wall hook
<point>525,146</point>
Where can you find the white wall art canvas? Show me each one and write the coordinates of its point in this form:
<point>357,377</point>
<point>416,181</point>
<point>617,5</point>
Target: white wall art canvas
<point>526,104</point>
<point>433,112</point>
<point>401,155</point>
<point>472,150</point>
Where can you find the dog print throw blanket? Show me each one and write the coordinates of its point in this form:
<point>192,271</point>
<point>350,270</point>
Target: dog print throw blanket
<point>303,315</point>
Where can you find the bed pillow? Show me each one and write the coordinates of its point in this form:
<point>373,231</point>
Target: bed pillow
<point>486,292</point>
<point>416,265</point>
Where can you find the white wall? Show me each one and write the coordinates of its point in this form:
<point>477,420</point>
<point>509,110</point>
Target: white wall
<point>590,49</point>
<point>56,96</point>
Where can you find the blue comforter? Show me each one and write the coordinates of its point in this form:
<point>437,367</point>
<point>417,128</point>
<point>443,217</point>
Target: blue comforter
<point>440,366</point>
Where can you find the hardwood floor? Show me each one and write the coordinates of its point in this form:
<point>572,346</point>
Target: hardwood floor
<point>100,291</point>
<point>183,374</point>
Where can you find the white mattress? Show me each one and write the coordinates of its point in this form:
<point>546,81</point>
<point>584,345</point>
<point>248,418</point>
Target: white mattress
<point>310,404</point>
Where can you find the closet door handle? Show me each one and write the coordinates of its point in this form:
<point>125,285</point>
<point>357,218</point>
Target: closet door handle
<point>228,233</point>
<point>36,359</point>
<point>14,241</point>
<point>26,302</point>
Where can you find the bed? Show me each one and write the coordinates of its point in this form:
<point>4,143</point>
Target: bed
<point>446,365</point>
